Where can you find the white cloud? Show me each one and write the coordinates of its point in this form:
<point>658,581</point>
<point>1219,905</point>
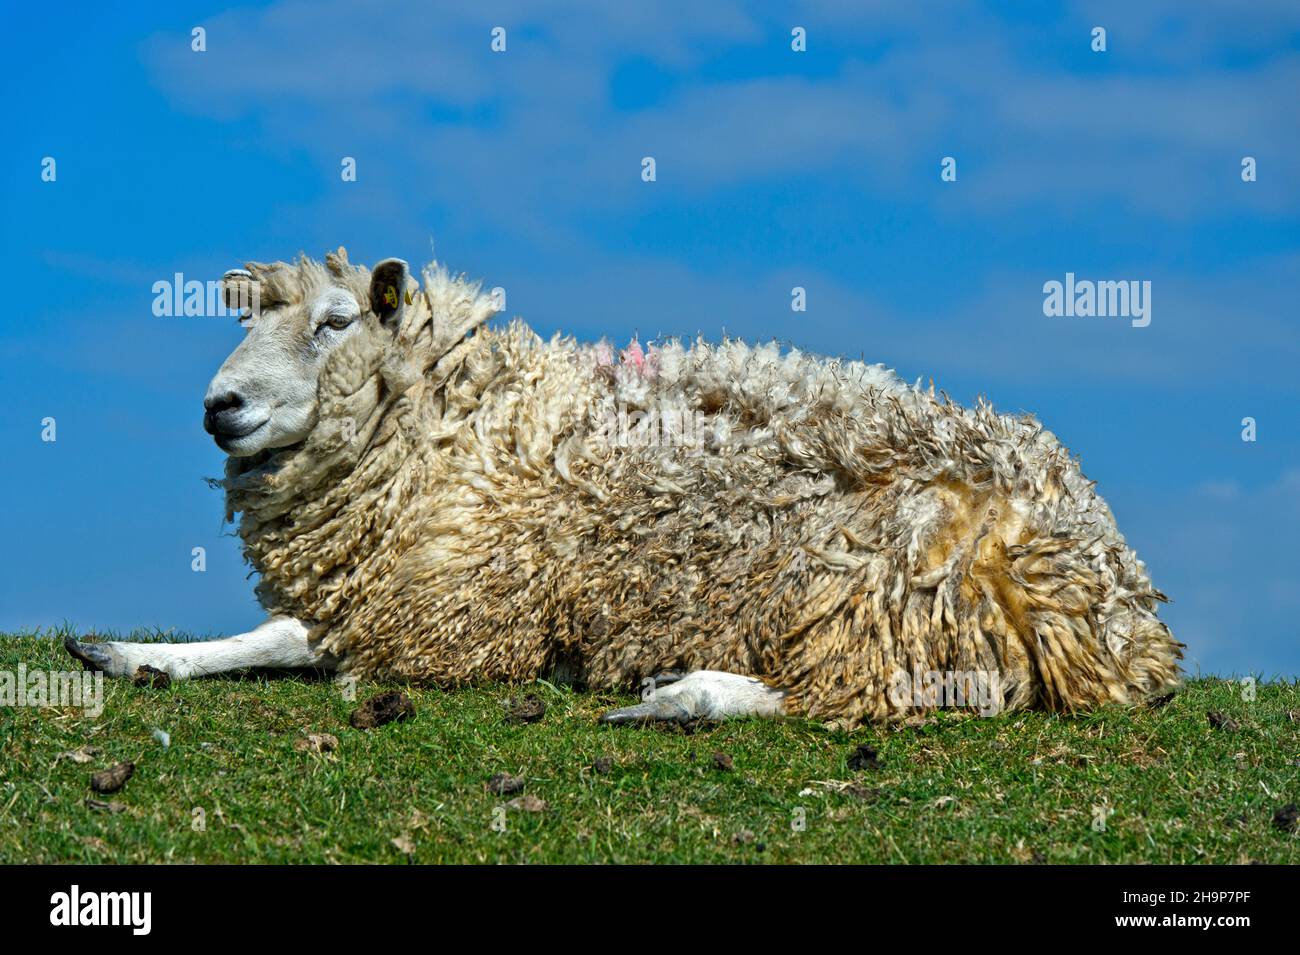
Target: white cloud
<point>1026,130</point>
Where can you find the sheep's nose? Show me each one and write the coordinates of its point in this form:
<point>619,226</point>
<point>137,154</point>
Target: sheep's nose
<point>215,406</point>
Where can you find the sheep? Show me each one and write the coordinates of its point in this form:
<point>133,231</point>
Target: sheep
<point>430,498</point>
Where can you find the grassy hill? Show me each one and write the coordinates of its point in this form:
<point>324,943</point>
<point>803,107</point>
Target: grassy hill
<point>235,784</point>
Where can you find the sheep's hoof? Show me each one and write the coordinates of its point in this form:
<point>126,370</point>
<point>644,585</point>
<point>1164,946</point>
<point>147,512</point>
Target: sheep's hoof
<point>649,712</point>
<point>93,656</point>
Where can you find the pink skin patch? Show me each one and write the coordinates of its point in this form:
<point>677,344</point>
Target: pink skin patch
<point>646,364</point>
<point>632,355</point>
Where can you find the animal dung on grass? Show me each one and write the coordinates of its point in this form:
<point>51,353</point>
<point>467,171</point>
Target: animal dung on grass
<point>1220,722</point>
<point>528,710</point>
<point>1287,818</point>
<point>381,709</point>
<point>864,757</point>
<point>154,679</point>
<point>503,784</point>
<point>112,779</point>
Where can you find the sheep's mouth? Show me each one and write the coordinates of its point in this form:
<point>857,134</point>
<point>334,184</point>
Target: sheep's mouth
<point>231,441</point>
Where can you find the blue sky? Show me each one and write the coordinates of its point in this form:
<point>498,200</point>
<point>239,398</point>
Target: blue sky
<point>774,169</point>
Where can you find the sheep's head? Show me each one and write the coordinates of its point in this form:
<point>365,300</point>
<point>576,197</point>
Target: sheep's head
<point>265,394</point>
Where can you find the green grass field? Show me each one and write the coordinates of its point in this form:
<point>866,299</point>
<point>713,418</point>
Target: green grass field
<point>1025,788</point>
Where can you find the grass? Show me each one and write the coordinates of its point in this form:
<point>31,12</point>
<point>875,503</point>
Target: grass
<point>1011,789</point>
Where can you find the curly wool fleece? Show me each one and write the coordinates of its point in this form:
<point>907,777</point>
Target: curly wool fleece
<point>479,504</point>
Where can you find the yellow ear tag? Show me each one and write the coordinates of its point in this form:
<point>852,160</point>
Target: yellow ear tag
<point>390,297</point>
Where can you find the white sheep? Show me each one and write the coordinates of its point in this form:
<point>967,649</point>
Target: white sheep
<point>429,499</point>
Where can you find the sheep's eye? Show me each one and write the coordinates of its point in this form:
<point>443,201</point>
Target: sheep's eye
<point>338,321</point>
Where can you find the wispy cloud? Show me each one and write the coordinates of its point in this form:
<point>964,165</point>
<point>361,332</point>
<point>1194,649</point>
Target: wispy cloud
<point>1027,130</point>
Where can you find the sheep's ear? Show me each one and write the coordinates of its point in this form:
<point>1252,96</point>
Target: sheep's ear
<point>388,290</point>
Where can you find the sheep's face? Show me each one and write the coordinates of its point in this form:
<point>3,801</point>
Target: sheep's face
<point>265,394</point>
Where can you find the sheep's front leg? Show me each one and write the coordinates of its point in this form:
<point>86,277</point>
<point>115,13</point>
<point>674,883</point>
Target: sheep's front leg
<point>279,642</point>
<point>701,695</point>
